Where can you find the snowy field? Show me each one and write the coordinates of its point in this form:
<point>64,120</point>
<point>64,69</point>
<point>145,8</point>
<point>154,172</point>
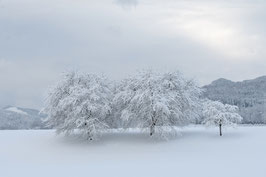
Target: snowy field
<point>198,152</point>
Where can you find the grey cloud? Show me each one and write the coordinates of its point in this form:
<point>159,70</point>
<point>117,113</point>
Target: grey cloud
<point>41,39</point>
<point>127,4</point>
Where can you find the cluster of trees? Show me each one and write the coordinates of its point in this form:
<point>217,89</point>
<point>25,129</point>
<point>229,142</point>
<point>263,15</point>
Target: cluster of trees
<point>152,101</point>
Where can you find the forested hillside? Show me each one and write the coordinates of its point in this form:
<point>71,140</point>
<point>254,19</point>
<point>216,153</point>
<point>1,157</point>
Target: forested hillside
<point>20,118</point>
<point>248,95</point>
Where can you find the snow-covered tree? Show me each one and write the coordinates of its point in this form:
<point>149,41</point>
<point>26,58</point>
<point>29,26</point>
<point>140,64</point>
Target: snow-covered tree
<point>157,101</point>
<point>216,113</point>
<point>79,102</point>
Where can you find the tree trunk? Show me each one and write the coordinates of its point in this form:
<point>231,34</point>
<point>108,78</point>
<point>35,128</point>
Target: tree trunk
<point>220,128</point>
<point>152,128</point>
<point>88,131</point>
<point>89,136</point>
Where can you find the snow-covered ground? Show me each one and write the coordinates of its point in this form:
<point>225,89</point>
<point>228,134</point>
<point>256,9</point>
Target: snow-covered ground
<point>199,152</point>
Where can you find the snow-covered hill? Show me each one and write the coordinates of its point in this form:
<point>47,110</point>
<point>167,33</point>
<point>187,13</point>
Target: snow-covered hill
<point>20,118</point>
<point>248,95</point>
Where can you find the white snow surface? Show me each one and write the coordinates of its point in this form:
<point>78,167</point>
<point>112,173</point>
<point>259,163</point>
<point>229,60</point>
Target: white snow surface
<point>16,110</point>
<point>198,152</point>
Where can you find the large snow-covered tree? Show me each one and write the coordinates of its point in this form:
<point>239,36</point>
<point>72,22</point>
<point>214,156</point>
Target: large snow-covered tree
<point>216,113</point>
<point>157,101</point>
<point>79,102</point>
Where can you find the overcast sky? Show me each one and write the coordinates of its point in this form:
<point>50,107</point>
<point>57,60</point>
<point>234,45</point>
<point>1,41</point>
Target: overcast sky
<point>205,39</point>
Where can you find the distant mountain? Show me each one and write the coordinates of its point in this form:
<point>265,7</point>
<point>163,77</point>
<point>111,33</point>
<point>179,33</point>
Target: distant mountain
<point>21,118</point>
<point>248,95</point>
